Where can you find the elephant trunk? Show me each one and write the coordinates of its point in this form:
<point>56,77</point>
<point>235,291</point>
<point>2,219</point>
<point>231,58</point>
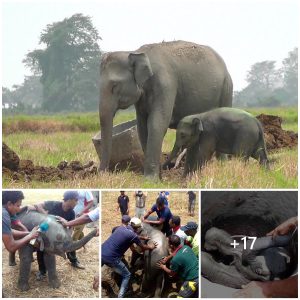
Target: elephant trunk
<point>73,246</point>
<point>106,123</point>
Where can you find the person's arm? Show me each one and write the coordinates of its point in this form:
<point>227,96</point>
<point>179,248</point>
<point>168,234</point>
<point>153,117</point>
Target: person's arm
<point>19,234</point>
<point>148,247</point>
<point>166,269</point>
<point>285,288</point>
<point>147,214</point>
<point>160,221</point>
<point>79,221</point>
<point>13,245</point>
<point>41,208</point>
<point>285,227</point>
<point>127,212</point>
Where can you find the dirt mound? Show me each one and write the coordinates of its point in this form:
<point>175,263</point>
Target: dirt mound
<point>275,136</point>
<point>25,170</point>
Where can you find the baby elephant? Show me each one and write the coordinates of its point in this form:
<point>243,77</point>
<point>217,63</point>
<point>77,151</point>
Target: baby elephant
<point>222,130</point>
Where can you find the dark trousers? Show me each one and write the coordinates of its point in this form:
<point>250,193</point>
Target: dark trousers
<point>40,258</point>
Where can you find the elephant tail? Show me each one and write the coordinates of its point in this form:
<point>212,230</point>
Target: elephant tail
<point>226,95</point>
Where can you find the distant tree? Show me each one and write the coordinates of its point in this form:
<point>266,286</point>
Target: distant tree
<point>268,86</point>
<point>26,97</point>
<point>289,73</point>
<point>263,75</point>
<point>68,66</point>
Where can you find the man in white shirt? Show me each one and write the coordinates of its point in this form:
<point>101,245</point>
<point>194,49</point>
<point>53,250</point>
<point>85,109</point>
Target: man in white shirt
<point>175,226</point>
<point>85,202</point>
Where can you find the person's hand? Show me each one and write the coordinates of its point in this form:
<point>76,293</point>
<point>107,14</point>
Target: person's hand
<point>285,227</point>
<point>61,221</point>
<point>34,233</point>
<point>153,245</point>
<point>142,219</point>
<point>147,238</point>
<point>254,289</point>
<point>96,282</point>
<point>164,260</point>
<point>160,265</point>
<point>30,208</point>
<point>97,233</point>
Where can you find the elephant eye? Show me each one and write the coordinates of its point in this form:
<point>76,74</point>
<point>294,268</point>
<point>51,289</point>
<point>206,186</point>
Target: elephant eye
<point>114,87</point>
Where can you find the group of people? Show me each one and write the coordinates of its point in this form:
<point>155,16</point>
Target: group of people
<point>183,241</point>
<point>72,211</point>
<point>140,203</point>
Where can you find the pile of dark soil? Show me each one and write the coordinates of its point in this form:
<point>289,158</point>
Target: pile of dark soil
<point>25,170</point>
<point>275,136</point>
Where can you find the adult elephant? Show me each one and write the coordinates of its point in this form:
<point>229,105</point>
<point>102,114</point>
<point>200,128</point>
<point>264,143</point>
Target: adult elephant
<point>165,82</point>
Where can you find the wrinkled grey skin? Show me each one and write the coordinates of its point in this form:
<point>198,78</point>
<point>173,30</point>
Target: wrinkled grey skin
<point>220,273</point>
<point>57,241</point>
<point>165,82</point>
<point>266,261</point>
<point>154,276</point>
<point>225,130</point>
<point>251,213</point>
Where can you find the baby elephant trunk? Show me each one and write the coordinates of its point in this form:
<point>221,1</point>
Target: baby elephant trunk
<point>72,246</point>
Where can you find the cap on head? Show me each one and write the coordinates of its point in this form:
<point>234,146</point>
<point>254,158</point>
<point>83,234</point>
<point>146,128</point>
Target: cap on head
<point>125,219</point>
<point>135,222</point>
<point>190,226</point>
<point>70,195</point>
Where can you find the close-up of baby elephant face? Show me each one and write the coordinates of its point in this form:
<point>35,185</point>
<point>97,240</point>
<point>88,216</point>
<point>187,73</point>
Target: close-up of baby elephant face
<point>188,132</point>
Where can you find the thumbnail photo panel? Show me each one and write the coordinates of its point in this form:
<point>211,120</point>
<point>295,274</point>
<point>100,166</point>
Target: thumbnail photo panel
<point>150,244</point>
<point>51,243</point>
<point>249,244</point>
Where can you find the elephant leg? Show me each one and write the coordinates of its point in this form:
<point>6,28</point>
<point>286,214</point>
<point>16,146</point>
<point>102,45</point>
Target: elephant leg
<point>261,156</point>
<point>12,259</point>
<point>156,133</point>
<point>142,130</point>
<point>191,160</point>
<point>200,153</point>
<point>50,263</point>
<point>25,254</point>
<point>160,281</point>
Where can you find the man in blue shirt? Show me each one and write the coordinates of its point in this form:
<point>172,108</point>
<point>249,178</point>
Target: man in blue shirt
<point>163,214</point>
<point>113,249</point>
<point>11,238</point>
<point>123,203</point>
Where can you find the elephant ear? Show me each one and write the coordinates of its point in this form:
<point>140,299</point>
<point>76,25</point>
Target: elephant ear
<point>197,124</point>
<point>141,66</point>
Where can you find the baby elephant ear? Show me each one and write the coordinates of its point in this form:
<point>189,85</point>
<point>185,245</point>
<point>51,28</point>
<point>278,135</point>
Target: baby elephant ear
<point>197,123</point>
<point>141,66</point>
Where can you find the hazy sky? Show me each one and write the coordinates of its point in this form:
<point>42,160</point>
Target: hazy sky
<point>243,32</point>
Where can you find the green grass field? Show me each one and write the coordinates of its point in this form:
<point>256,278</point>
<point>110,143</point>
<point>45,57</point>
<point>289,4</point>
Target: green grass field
<point>47,140</point>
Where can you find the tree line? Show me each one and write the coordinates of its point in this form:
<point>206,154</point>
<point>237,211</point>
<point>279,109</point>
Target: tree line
<point>65,74</point>
<point>269,86</point>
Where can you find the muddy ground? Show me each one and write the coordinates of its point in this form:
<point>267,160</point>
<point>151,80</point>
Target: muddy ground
<point>25,170</point>
<point>111,218</point>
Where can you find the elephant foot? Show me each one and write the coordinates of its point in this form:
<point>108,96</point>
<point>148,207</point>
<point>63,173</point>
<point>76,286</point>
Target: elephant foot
<point>12,263</point>
<point>23,286</point>
<point>40,276</point>
<point>54,283</point>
